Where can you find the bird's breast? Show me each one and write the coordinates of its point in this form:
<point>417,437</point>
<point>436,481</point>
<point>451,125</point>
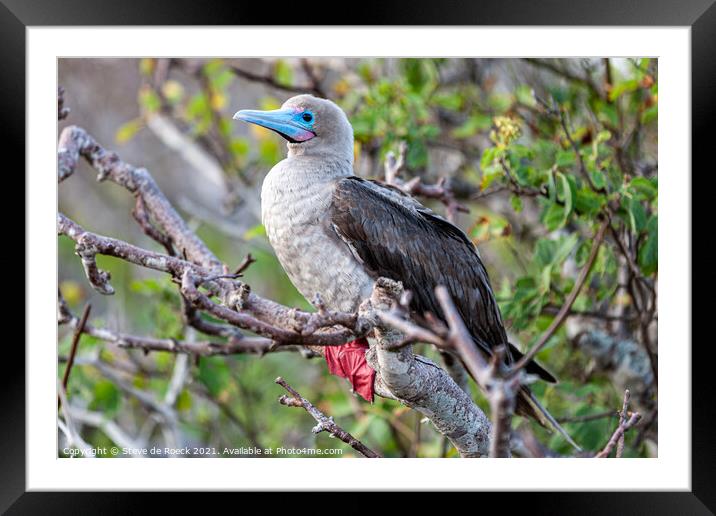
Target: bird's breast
<point>294,208</point>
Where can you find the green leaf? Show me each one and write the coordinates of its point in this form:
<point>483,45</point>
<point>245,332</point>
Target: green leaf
<point>568,191</point>
<point>256,231</point>
<point>488,157</point>
<point>451,101</point>
<point>283,73</point>
<point>471,126</point>
<point>637,215</point>
<point>553,217</point>
<point>565,158</point>
<point>598,178</point>
<point>417,155</point>
<point>516,202</point>
<point>564,248</point>
<point>623,87</point>
<point>650,115</point>
<point>240,146</point>
<point>648,256</point>
<point>500,102</point>
<point>525,95</point>
<point>589,202</point>
<point>215,374</point>
<point>183,401</point>
<point>545,279</point>
<point>643,188</point>
<point>198,106</point>
<point>544,251</point>
<point>149,100</point>
<point>106,397</point>
<point>127,130</point>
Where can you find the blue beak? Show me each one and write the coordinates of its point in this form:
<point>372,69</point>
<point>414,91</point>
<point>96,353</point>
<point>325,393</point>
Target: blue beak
<point>283,121</point>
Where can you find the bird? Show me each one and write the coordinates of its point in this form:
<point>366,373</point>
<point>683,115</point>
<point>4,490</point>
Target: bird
<point>335,234</point>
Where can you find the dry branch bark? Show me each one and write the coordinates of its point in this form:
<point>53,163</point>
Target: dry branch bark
<point>419,383</point>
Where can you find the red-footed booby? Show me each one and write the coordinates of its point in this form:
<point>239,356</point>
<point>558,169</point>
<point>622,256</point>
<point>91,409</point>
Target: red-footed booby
<point>335,234</point>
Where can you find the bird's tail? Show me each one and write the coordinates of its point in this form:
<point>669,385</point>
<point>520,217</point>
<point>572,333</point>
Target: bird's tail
<point>528,406</point>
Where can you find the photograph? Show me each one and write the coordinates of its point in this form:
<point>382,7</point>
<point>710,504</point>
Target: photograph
<point>357,257</point>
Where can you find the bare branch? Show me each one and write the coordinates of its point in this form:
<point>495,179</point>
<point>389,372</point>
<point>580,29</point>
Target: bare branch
<point>75,142</point>
<point>261,316</point>
<point>617,438</point>
<point>75,341</point>
<point>237,343</point>
<point>325,424</point>
<point>270,81</point>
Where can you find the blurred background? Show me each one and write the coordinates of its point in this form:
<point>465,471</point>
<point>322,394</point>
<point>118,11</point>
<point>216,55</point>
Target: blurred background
<point>538,150</point>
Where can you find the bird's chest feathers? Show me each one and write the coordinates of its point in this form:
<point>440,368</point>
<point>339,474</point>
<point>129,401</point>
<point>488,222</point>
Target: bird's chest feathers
<point>294,208</point>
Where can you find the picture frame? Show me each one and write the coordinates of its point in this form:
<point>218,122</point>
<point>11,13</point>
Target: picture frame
<point>16,16</point>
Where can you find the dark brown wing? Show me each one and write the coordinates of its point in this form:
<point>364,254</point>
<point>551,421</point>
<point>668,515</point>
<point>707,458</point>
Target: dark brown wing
<point>396,237</point>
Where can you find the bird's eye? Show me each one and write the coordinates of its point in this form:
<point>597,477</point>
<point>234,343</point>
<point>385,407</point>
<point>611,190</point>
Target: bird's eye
<point>307,117</point>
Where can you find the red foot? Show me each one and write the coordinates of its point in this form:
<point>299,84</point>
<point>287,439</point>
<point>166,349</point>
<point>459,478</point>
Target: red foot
<point>348,361</point>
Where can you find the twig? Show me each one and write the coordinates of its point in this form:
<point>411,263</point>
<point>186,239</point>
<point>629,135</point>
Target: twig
<point>75,341</point>
<point>270,81</point>
<point>622,416</point>
<point>564,311</point>
<point>325,424</point>
<point>587,417</point>
<point>62,110</point>
<point>586,81</point>
<point>237,344</point>
<point>617,438</point>
<point>245,264</point>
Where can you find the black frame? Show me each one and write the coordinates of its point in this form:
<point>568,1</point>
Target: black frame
<point>700,15</point>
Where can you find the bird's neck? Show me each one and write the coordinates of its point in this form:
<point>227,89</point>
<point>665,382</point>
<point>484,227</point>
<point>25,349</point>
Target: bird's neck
<point>317,168</point>
<point>336,152</point>
<point>300,176</point>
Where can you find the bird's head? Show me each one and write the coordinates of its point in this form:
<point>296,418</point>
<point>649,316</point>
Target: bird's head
<point>312,126</point>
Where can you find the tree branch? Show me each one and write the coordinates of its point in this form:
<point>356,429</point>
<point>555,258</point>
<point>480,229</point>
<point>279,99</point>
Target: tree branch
<point>617,438</point>
<point>325,424</point>
<point>419,383</point>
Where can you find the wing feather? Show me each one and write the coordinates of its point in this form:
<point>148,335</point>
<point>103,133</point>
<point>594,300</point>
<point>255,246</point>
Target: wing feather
<point>396,237</point>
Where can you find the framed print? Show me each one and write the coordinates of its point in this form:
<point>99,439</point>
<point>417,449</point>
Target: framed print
<point>423,242</point>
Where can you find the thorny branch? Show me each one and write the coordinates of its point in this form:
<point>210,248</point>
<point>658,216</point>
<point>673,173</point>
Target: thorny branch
<point>325,423</point>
